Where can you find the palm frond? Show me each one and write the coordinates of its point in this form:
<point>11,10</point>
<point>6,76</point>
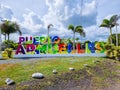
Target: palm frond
<point>71,27</point>
<point>10,27</point>
<point>105,23</point>
<point>113,19</point>
<point>79,29</point>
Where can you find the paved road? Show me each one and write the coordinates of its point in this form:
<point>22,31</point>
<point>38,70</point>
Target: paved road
<point>26,58</point>
<point>22,60</point>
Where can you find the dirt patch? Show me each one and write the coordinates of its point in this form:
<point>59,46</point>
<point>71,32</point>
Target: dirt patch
<point>103,76</point>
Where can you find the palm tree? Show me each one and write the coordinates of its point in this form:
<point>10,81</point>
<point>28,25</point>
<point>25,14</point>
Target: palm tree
<point>50,25</point>
<point>2,26</point>
<point>115,18</point>
<point>108,24</point>
<point>9,27</point>
<point>78,29</point>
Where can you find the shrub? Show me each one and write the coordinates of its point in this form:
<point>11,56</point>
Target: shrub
<point>117,53</point>
<point>109,50</point>
<point>112,51</point>
<point>9,44</point>
<point>7,52</point>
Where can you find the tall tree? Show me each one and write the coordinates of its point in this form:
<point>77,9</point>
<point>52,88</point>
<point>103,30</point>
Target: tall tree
<point>108,23</point>
<point>78,29</point>
<point>115,19</point>
<point>9,27</point>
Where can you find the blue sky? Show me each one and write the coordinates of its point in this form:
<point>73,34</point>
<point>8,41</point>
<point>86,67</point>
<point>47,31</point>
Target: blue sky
<point>34,15</point>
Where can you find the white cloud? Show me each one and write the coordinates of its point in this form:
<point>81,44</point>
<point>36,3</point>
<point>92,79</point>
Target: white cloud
<point>89,8</point>
<point>32,22</point>
<point>6,12</point>
<point>95,33</point>
<point>60,13</point>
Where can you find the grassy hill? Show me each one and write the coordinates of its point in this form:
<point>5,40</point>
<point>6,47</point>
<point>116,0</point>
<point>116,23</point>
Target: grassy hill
<point>95,75</point>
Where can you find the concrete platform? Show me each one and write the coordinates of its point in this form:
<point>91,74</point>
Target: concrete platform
<point>59,55</point>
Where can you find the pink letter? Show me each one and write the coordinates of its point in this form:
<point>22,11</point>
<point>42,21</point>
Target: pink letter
<point>30,47</point>
<point>20,49</point>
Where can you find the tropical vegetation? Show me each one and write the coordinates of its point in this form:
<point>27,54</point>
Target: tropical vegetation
<point>8,53</point>
<point>79,29</point>
<point>9,44</point>
<point>9,27</point>
<point>114,40</point>
<point>110,23</point>
<point>115,19</point>
<point>113,51</point>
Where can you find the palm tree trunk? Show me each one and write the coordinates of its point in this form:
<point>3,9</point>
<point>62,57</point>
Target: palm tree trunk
<point>116,37</point>
<point>8,36</point>
<point>74,42</point>
<point>5,36</point>
<point>110,35</point>
<point>47,40</point>
<point>0,41</point>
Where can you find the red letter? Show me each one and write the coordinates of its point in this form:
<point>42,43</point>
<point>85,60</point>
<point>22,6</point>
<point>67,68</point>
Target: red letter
<point>62,47</point>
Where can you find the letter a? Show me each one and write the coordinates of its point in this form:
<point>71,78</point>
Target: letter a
<point>20,49</point>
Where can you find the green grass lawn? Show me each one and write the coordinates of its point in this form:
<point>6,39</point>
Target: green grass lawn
<point>20,72</point>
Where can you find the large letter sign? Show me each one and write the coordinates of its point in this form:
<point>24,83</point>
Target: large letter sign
<point>40,44</point>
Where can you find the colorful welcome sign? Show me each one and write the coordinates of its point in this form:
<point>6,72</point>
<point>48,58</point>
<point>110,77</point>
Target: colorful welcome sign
<point>52,45</point>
